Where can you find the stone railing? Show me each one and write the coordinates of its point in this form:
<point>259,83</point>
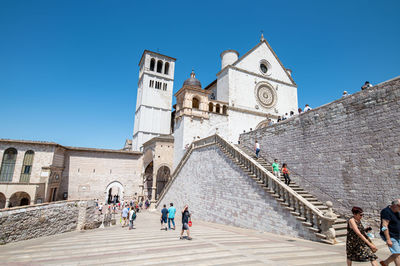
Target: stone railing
<point>32,221</point>
<point>317,221</point>
<point>195,145</point>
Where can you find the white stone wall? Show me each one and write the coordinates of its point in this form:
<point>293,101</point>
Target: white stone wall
<point>43,158</point>
<point>153,106</point>
<point>252,63</point>
<point>239,122</point>
<point>89,173</point>
<point>190,129</point>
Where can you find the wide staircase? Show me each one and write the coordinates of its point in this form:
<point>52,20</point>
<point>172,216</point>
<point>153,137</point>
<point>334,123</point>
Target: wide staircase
<point>340,224</point>
<point>316,217</point>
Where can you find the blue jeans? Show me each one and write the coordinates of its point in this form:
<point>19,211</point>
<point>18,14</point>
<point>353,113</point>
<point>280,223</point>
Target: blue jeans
<point>173,222</point>
<point>257,152</point>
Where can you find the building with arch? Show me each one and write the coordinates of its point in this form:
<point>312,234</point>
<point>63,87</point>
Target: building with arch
<point>248,91</point>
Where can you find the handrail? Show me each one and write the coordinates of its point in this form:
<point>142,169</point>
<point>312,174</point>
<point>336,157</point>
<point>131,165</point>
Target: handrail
<point>289,189</point>
<point>321,221</point>
<point>268,159</point>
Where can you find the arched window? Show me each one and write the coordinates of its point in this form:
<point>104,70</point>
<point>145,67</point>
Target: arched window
<point>159,66</point>
<point>152,64</point>
<point>8,165</point>
<point>195,103</point>
<point>217,108</point>
<point>27,167</point>
<point>166,68</point>
<point>224,109</point>
<point>210,107</point>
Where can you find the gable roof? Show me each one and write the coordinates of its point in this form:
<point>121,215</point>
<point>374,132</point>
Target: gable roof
<point>273,52</point>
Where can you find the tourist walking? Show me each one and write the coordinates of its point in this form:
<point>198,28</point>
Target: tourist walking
<point>101,208</point>
<point>124,215</point>
<point>285,173</point>
<point>275,168</point>
<point>164,215</point>
<point>185,222</point>
<point>390,231</point>
<point>307,108</point>
<point>171,216</point>
<point>359,246</point>
<point>132,217</point>
<point>257,148</point>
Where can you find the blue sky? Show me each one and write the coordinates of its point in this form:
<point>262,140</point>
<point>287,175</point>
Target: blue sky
<point>69,69</point>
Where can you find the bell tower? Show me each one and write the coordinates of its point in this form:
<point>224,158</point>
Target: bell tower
<point>154,98</point>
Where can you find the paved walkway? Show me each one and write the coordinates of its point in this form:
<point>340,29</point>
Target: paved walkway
<point>212,244</point>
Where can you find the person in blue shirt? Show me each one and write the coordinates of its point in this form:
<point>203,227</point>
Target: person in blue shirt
<point>171,216</point>
<point>164,215</point>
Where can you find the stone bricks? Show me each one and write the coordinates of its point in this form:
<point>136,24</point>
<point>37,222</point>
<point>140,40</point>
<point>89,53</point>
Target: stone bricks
<point>217,190</point>
<point>346,151</point>
<point>47,219</point>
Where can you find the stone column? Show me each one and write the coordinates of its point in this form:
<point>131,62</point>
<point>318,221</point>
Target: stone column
<point>153,191</point>
<point>327,224</point>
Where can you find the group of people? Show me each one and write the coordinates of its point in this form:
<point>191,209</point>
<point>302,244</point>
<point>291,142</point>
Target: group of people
<point>359,246</point>
<point>128,215</point>
<point>291,113</point>
<point>285,171</point>
<point>118,206</point>
<point>275,166</point>
<point>169,215</point>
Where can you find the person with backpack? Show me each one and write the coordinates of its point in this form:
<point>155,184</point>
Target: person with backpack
<point>164,215</point>
<point>132,217</point>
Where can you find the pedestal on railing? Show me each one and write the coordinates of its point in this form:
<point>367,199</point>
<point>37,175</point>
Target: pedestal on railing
<point>327,224</point>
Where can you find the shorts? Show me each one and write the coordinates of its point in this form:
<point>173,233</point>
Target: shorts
<point>164,220</point>
<point>395,249</point>
<point>185,226</point>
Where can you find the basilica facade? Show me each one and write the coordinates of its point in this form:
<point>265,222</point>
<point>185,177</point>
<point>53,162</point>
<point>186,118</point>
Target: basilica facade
<point>248,92</point>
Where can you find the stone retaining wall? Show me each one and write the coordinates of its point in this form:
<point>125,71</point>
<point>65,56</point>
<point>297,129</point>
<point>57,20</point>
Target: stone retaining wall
<point>347,151</point>
<point>34,221</point>
<point>218,191</point>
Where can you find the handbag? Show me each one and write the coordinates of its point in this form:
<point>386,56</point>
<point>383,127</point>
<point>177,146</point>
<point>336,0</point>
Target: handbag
<point>190,223</point>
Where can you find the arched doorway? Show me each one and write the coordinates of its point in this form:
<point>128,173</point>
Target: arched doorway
<point>148,177</point>
<point>2,201</point>
<point>114,192</point>
<point>163,175</point>
<point>19,198</point>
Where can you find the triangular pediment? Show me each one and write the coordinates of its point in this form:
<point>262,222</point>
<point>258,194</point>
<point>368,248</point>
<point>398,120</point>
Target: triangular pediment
<point>262,53</point>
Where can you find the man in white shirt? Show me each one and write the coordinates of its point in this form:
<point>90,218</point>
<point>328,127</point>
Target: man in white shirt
<point>307,108</point>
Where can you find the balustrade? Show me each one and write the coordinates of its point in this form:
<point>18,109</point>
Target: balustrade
<point>323,222</point>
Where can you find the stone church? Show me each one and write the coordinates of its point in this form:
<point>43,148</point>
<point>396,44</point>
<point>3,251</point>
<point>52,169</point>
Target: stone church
<point>248,92</point>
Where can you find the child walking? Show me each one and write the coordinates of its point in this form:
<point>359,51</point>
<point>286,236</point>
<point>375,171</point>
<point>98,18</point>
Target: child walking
<point>285,173</point>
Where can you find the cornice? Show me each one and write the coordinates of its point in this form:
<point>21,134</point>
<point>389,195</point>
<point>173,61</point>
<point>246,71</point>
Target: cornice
<point>263,77</point>
<point>242,110</point>
<point>189,88</point>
